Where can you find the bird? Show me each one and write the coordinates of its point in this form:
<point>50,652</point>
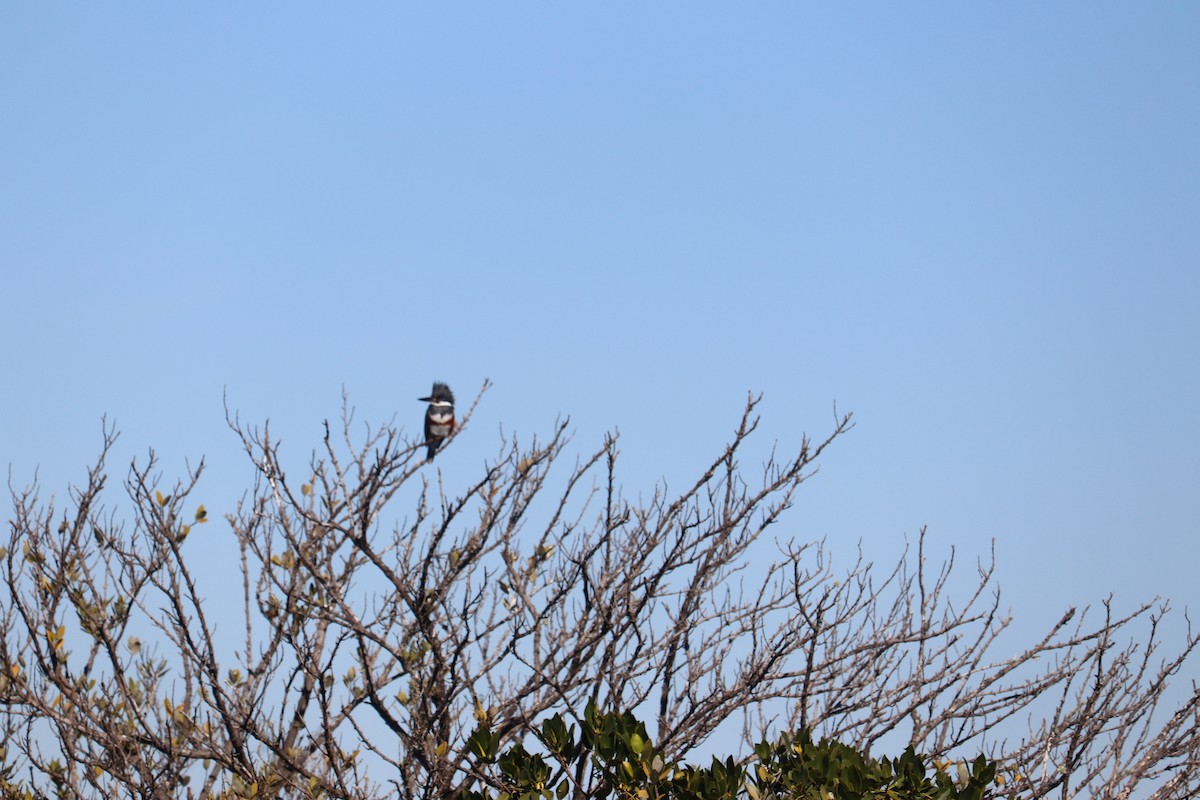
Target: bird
<point>439,417</point>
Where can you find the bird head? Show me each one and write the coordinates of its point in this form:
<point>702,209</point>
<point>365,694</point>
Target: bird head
<point>440,395</point>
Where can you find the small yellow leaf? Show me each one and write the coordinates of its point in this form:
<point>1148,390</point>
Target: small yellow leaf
<point>55,636</point>
<point>158,496</point>
<point>306,489</point>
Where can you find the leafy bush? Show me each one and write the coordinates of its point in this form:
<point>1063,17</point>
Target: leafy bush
<point>613,756</point>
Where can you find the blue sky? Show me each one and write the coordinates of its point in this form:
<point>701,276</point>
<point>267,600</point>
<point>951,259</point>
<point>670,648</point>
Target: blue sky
<point>974,226</point>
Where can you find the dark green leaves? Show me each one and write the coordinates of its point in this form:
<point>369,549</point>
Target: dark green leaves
<point>614,757</point>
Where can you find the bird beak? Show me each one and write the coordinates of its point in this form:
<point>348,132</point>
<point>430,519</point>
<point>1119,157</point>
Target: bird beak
<point>425,399</point>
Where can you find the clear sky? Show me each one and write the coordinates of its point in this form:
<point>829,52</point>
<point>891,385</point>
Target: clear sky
<point>976,226</point>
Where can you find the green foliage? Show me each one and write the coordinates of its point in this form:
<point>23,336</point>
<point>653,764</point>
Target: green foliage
<point>798,767</point>
<point>614,757</point>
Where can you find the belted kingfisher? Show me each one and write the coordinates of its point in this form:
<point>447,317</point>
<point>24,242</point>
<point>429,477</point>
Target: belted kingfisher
<point>439,417</point>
